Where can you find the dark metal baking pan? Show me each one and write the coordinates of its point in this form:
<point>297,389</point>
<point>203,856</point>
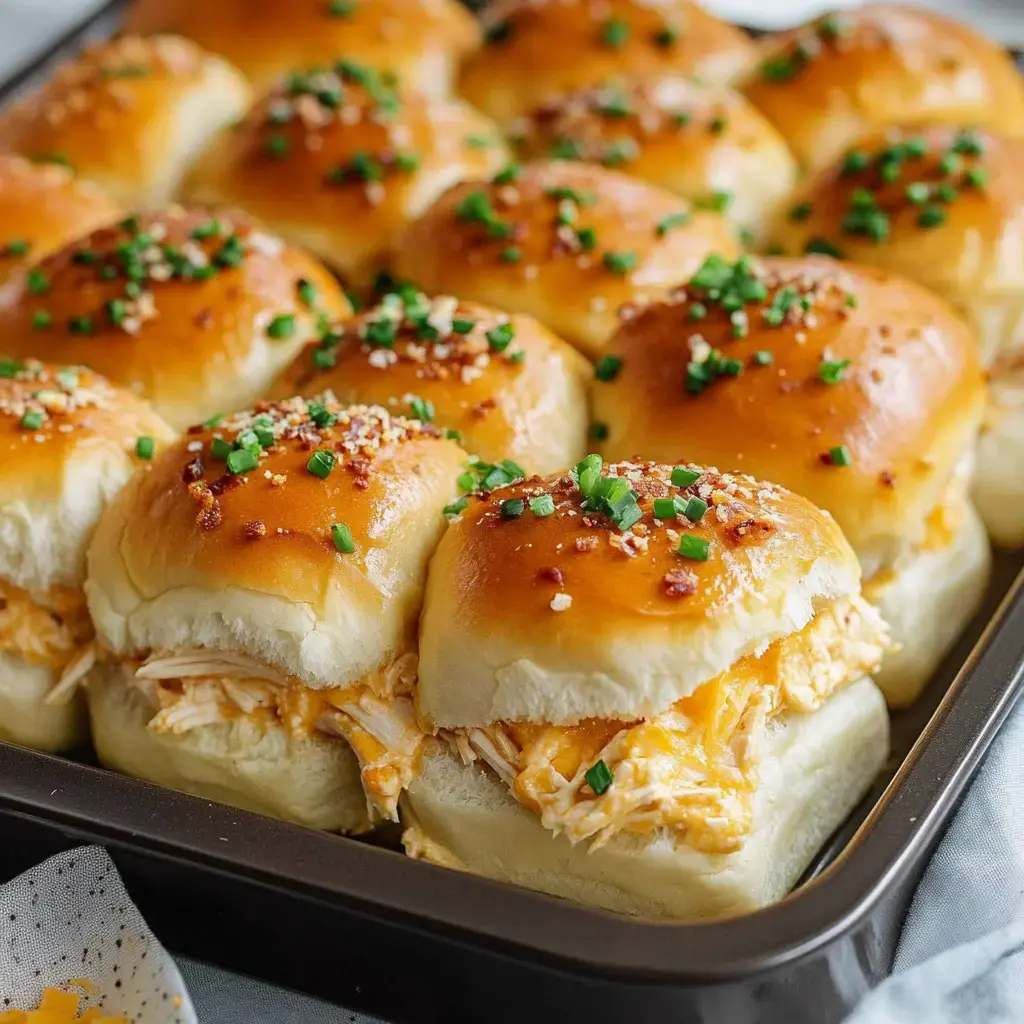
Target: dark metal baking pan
<point>356,922</point>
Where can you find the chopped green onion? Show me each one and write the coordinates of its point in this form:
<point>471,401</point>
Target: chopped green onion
<point>840,456</point>
<point>220,449</point>
<point>321,415</point>
<point>499,338</point>
<point>619,262</point>
<point>421,409</point>
<point>508,174</point>
<point>832,371</point>
<point>608,368</point>
<point>598,778</point>
<point>242,460</point>
<point>307,292</point>
<point>9,369</point>
<point>598,431</point>
<point>976,177</point>
<point>822,247</point>
<point>764,358</point>
<point>144,448</point>
<point>542,506</point>
<point>683,477</point>
<point>931,217</point>
<point>694,547</point>
<point>457,507</point>
<point>321,463</point>
<point>675,220</point>
<point>463,326</point>
<point>801,211</point>
<point>32,421</point>
<point>512,508</point>
<point>615,32</point>
<point>37,281</point>
<point>40,319</point>
<point>695,509</point>
<point>342,537</point>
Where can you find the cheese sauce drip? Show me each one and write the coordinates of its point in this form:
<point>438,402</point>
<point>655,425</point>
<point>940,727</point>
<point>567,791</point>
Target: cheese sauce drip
<point>694,768</point>
<point>375,716</point>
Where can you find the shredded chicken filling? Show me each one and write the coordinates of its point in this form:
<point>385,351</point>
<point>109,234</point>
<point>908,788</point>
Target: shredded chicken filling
<point>693,769</point>
<point>50,628</point>
<point>375,717</point>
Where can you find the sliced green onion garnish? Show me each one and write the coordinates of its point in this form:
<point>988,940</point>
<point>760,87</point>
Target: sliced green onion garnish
<point>242,461</point>
<point>683,477</point>
<point>598,778</point>
<point>832,371</point>
<point>32,421</point>
<point>512,508</point>
<point>144,448</point>
<point>608,367</point>
<point>542,506</point>
<point>695,509</point>
<point>342,537</point>
<point>694,547</point>
<point>321,463</point>
<point>840,456</point>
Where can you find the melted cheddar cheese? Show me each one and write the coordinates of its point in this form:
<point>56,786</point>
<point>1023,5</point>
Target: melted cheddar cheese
<point>44,627</point>
<point>375,717</point>
<point>694,768</point>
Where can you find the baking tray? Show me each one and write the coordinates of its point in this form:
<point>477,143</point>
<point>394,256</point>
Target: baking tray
<point>357,923</point>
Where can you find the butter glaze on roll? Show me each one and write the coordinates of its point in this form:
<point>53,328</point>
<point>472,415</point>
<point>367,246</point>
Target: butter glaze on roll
<point>567,243</point>
<point>257,596</point>
<point>196,311</point>
<point>419,41</point>
<point>340,162</point>
<point>131,114</point>
<point>663,712</point>
<point>706,143</point>
<point>506,386</point>
<point>43,207</point>
<point>854,387</point>
<point>68,443</point>
<point>854,72</point>
<point>534,50</point>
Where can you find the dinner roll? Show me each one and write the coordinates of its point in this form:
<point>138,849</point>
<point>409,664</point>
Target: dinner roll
<point>663,666</point>
<point>258,593</point>
<point>706,143</point>
<point>68,443</point>
<point>506,386</point>
<point>420,41</point>
<point>42,207</point>
<point>854,387</point>
<point>848,74</point>
<point>131,114</point>
<point>942,205</point>
<point>568,243</point>
<point>196,311</point>
<point>535,50</point>
<point>339,162</point>
<point>998,482</point>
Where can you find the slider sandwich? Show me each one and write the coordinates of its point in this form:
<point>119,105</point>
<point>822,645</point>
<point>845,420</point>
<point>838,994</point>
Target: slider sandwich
<point>503,385</point>
<point>195,310</point>
<point>648,686</point>
<point>339,159</point>
<point>256,597</point>
<point>943,206</point>
<point>131,114</point>
<point>854,387</point>
<point>68,443</point>
<point>535,51</point>
<point>851,73</point>
<point>568,243</point>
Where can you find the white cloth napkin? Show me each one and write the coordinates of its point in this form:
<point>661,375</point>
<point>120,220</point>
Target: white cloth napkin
<point>69,919</point>
<point>961,956</point>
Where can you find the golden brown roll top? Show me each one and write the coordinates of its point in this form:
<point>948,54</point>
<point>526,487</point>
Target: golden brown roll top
<point>131,114</point>
<point>42,207</point>
<point>420,41</point>
<point>617,590</point>
<point>535,50</point>
<point>296,533</point>
<point>706,143</point>
<point>504,385</point>
<point>568,243</point>
<point>942,205</point>
<point>339,161</point>
<point>856,388</point>
<point>68,442</point>
<point>851,73</point>
<point>196,311</point>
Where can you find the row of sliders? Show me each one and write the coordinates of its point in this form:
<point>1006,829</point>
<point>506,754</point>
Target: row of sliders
<point>662,666</point>
<point>398,586</point>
